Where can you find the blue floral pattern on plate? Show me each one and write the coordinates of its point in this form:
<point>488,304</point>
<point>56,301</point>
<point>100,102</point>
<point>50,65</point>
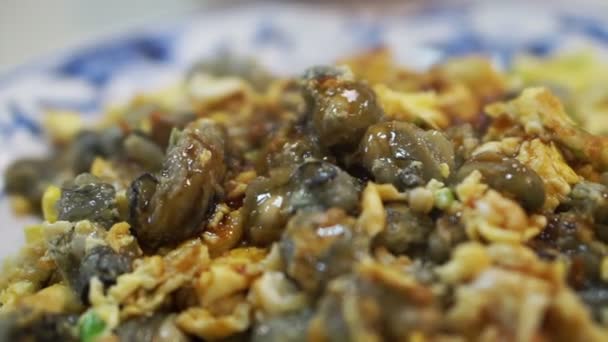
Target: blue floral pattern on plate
<point>286,38</point>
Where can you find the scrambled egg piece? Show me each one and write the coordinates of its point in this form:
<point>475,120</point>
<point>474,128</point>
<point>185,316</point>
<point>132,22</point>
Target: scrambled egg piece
<point>508,146</point>
<point>471,187</point>
<point>550,165</point>
<point>62,126</point>
<point>11,294</point>
<point>119,237</point>
<point>477,73</point>
<point>532,294</point>
<point>209,92</point>
<point>378,66</point>
<point>274,294</point>
<point>223,308</point>
<point>579,78</point>
<point>49,203</point>
<point>25,273</point>
<point>55,298</point>
<point>490,216</point>
<point>465,84</point>
<point>412,107</point>
<point>373,216</point>
<point>208,325</point>
<point>540,113</point>
<point>155,278</point>
<point>20,205</point>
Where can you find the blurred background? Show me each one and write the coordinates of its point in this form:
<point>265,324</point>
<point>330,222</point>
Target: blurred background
<point>33,28</point>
